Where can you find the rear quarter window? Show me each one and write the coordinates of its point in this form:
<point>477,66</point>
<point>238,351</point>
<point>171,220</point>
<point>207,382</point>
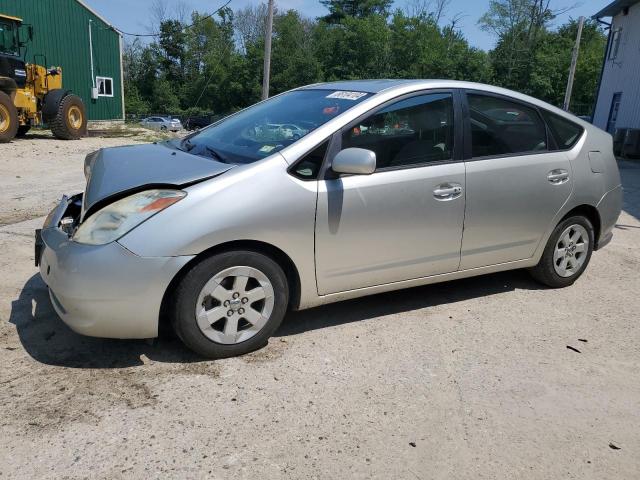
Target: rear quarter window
<point>565,132</point>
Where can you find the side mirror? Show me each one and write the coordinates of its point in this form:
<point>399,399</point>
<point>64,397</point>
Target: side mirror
<point>355,161</point>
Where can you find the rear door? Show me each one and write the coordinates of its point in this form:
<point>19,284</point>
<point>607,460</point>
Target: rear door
<point>516,182</point>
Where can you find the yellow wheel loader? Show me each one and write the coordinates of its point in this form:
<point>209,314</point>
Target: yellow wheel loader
<point>31,94</point>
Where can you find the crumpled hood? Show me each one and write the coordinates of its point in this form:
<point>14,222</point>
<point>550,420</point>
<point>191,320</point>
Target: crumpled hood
<point>112,171</point>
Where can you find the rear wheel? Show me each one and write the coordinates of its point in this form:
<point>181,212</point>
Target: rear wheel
<point>70,123</point>
<point>230,304</point>
<point>567,253</point>
<point>8,118</point>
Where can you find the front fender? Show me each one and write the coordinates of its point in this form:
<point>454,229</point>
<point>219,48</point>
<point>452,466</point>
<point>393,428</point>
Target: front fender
<point>259,202</point>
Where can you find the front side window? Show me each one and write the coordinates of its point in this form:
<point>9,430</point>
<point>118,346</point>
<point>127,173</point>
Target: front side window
<point>309,166</point>
<point>412,131</point>
<point>503,127</point>
<point>270,126</point>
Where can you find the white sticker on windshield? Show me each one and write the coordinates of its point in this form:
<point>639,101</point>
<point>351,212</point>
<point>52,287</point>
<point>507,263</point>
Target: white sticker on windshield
<point>343,95</point>
<point>267,148</point>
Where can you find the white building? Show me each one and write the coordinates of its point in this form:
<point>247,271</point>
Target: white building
<point>618,101</point>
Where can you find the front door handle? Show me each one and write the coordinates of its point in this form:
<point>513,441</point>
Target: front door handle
<point>558,176</point>
<point>447,191</point>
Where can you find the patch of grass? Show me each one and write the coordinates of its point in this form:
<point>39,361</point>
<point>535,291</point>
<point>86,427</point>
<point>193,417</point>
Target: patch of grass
<point>135,132</point>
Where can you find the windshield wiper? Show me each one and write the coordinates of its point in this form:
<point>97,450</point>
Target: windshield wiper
<point>214,154</point>
<point>187,143</point>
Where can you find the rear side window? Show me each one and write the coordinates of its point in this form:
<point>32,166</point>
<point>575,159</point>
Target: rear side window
<point>565,132</point>
<point>503,127</point>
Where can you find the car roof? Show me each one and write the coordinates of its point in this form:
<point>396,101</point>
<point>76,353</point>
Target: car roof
<point>407,85</point>
<point>369,86</point>
<point>377,86</point>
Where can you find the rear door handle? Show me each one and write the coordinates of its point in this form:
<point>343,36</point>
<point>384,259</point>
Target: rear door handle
<point>558,176</point>
<point>447,191</point>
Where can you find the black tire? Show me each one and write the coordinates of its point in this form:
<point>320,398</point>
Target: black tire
<point>70,122</point>
<point>163,128</point>
<point>545,271</point>
<point>185,298</point>
<point>22,130</point>
<point>8,118</point>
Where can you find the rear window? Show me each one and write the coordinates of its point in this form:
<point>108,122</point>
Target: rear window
<point>565,132</point>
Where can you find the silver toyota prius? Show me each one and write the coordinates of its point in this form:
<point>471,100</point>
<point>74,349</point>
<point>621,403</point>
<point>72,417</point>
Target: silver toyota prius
<point>391,184</point>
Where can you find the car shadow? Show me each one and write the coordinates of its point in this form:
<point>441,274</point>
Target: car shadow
<point>406,300</point>
<point>34,136</point>
<point>48,340</point>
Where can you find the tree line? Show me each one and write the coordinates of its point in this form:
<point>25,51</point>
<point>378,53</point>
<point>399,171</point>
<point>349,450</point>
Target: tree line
<point>200,63</point>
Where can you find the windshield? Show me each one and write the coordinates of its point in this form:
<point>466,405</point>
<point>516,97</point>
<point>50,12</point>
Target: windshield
<point>8,40</point>
<point>268,127</point>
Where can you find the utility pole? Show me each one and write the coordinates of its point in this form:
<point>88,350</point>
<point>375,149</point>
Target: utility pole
<point>267,51</point>
<point>572,69</point>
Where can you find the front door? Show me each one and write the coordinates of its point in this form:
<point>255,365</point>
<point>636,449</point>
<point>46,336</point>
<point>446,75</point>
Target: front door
<point>515,184</point>
<point>405,220</point>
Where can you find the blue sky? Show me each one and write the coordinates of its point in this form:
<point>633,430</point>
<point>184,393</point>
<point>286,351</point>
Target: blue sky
<point>133,15</point>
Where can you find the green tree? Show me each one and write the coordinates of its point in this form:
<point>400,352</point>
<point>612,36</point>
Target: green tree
<point>293,62</point>
<point>341,9</point>
<point>216,64</point>
<point>552,61</point>
<point>519,26</point>
<point>354,48</point>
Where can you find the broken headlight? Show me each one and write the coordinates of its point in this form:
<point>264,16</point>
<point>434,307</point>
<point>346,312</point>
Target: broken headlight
<point>114,220</point>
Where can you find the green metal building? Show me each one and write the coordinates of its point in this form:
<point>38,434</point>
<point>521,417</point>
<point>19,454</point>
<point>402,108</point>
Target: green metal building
<point>69,34</point>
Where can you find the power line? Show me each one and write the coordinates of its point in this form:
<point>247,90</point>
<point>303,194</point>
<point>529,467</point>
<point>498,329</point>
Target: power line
<point>184,28</point>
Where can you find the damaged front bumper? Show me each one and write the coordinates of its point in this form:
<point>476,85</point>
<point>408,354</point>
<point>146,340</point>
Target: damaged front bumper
<point>101,290</point>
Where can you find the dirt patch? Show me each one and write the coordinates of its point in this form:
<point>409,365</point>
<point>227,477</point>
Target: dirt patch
<point>46,399</point>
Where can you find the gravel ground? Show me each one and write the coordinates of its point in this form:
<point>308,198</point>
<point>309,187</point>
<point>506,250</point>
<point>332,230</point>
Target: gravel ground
<point>466,379</point>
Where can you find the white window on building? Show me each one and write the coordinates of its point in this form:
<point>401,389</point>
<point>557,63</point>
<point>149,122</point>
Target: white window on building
<point>614,49</point>
<point>105,86</point>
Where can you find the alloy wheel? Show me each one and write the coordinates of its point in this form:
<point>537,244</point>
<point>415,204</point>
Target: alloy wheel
<point>234,305</point>
<point>571,250</point>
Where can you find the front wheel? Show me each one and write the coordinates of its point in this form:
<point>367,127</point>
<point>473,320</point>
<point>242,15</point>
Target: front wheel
<point>567,253</point>
<point>230,304</point>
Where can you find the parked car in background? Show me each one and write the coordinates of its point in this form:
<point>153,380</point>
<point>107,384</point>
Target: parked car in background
<point>293,131</point>
<point>394,184</point>
<point>162,123</point>
<point>196,123</point>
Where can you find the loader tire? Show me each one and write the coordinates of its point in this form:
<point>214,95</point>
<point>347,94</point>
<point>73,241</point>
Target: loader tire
<point>70,123</point>
<point>8,118</point>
